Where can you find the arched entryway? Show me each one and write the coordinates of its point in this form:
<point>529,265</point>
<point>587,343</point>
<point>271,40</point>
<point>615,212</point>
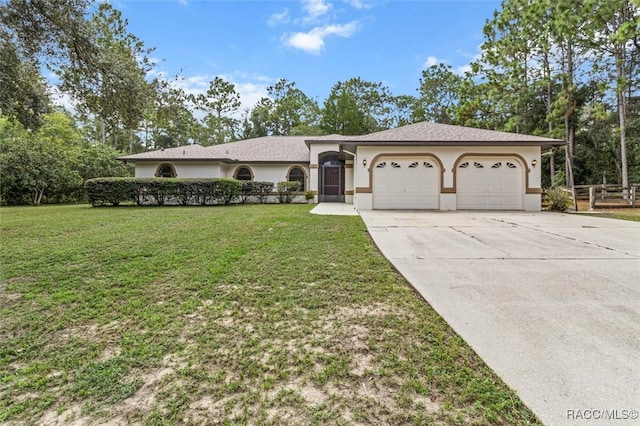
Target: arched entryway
<point>330,178</point>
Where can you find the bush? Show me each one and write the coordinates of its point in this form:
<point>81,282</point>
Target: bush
<point>225,190</point>
<point>115,191</point>
<point>286,190</point>
<point>257,189</point>
<point>112,191</point>
<point>558,199</point>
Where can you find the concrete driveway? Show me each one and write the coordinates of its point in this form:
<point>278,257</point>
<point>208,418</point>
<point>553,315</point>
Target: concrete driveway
<point>551,302</point>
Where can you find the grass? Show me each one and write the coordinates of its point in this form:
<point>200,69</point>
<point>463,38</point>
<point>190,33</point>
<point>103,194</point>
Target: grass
<point>620,212</point>
<point>246,314</point>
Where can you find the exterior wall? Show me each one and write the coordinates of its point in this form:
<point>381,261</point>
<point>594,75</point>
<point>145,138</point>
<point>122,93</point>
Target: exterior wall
<point>448,157</point>
<point>358,176</point>
<point>266,172</point>
<point>349,180</point>
<point>184,169</point>
<point>315,150</point>
<point>190,169</point>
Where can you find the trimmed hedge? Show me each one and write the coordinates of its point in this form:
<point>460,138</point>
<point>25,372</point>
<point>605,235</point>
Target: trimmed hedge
<point>286,190</point>
<point>101,191</point>
<point>257,189</point>
<point>155,191</point>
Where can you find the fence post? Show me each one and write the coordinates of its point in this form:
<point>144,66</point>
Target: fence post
<point>592,197</point>
<point>634,190</point>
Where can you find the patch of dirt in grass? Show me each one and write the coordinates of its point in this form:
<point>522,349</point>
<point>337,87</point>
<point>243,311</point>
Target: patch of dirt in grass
<point>207,409</point>
<point>136,406</point>
<point>373,310</point>
<point>361,364</point>
<point>8,298</point>
<point>70,416</point>
<point>310,393</point>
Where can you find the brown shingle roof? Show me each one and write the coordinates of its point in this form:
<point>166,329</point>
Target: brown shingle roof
<point>434,132</point>
<point>294,148</point>
<point>187,152</point>
<point>267,148</point>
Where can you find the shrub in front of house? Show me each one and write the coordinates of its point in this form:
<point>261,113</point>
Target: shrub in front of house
<point>558,199</point>
<point>174,191</point>
<point>255,191</point>
<point>286,190</point>
<point>225,190</point>
<point>113,191</point>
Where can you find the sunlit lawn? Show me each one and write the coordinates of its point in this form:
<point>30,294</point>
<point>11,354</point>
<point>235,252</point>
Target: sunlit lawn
<point>223,315</point>
<point>619,212</point>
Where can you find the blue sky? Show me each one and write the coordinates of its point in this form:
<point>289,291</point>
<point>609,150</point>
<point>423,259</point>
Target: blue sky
<point>314,43</point>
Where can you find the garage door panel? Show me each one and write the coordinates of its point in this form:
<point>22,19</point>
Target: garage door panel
<point>406,184</point>
<point>490,184</point>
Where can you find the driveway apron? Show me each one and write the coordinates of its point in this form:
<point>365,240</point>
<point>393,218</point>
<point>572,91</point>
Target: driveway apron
<point>551,302</point>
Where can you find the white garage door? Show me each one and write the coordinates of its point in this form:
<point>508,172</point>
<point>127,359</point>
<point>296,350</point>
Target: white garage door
<point>490,184</point>
<point>406,184</point>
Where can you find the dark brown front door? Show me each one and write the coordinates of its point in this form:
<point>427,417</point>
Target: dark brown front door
<point>332,185</point>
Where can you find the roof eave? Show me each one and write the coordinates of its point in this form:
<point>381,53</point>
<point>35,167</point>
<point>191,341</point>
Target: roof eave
<point>222,160</point>
<point>133,160</point>
<point>267,161</point>
<point>542,143</point>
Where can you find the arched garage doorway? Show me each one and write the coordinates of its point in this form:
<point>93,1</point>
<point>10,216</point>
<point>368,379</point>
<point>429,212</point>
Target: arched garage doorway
<point>411,182</point>
<point>490,183</point>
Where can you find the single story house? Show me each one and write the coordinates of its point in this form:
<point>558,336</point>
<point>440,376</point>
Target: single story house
<point>418,166</point>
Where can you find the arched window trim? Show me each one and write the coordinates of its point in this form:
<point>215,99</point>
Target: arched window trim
<point>304,176</point>
<point>162,166</point>
<point>239,168</point>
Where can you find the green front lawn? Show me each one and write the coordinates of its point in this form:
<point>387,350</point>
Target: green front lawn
<point>247,314</point>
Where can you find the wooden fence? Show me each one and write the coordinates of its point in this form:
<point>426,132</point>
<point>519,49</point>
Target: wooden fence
<point>607,195</point>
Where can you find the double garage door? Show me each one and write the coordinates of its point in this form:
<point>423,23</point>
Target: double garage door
<point>482,184</point>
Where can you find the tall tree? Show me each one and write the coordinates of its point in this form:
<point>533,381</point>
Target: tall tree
<point>220,100</point>
<point>287,111</point>
<point>174,123</point>
<point>49,31</point>
<point>358,106</point>
<point>402,108</point>
<point>616,42</point>
<point>23,92</point>
<point>292,108</point>
<point>35,34</point>
<point>439,95</point>
<point>342,116</point>
<point>114,89</point>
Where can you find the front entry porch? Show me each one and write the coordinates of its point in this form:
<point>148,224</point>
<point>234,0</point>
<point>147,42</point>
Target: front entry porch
<point>331,178</point>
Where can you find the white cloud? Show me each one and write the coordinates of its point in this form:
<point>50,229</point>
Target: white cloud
<point>315,9</point>
<point>313,41</point>
<point>279,18</point>
<point>250,94</point>
<point>431,61</point>
<point>462,70</point>
<point>358,4</point>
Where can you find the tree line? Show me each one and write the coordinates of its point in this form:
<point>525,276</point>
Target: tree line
<point>564,69</point>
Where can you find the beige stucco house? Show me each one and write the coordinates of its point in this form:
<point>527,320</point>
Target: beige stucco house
<point>418,166</point>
